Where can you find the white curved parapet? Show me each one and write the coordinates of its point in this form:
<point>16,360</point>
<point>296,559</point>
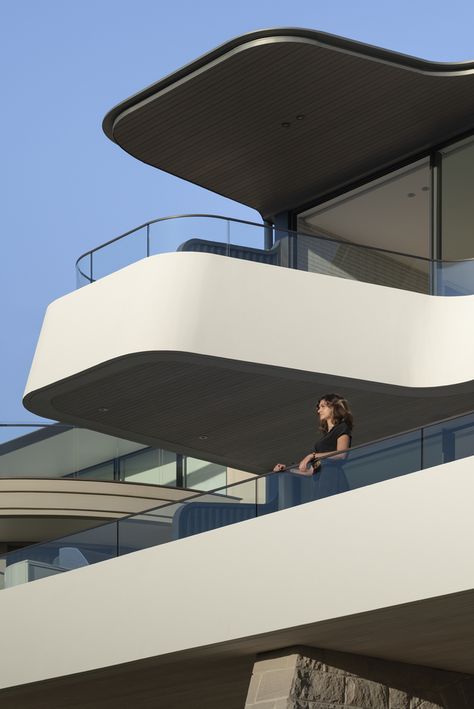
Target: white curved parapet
<point>231,308</point>
<point>175,345</point>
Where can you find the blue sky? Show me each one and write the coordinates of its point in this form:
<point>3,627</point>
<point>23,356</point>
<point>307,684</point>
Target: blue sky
<point>65,188</point>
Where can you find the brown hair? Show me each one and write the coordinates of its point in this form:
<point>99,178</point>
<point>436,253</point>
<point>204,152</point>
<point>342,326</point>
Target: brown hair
<point>340,411</point>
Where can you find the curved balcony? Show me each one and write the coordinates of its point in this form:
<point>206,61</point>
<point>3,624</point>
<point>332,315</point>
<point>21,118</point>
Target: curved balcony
<point>222,358</point>
<point>264,243</point>
<point>190,514</point>
<point>57,479</point>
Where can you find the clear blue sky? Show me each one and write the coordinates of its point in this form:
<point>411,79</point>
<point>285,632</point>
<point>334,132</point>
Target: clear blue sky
<point>66,188</point>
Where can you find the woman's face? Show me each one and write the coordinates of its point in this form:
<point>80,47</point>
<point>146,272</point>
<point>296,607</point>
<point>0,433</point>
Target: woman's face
<point>324,410</point>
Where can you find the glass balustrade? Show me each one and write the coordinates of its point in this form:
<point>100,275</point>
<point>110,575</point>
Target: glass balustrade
<point>364,465</point>
<point>265,244</point>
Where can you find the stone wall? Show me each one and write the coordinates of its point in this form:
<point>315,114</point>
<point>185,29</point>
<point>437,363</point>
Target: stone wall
<point>308,678</point>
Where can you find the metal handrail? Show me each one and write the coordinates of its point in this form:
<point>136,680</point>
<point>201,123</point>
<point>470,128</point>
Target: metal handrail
<point>37,425</point>
<point>290,232</point>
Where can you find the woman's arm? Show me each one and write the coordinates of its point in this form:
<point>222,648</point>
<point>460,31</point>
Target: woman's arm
<point>343,444</point>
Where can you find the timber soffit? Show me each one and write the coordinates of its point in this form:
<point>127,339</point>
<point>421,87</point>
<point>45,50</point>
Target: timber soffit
<point>220,122</point>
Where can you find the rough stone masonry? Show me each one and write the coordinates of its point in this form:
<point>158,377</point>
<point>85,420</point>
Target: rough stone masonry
<point>310,678</point>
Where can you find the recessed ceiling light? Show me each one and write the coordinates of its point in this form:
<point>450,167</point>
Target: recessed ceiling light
<point>300,117</point>
<point>425,188</point>
<point>102,410</point>
<point>285,124</point>
<point>411,194</point>
<point>203,438</point>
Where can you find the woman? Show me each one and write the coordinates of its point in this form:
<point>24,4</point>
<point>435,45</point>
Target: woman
<point>336,423</point>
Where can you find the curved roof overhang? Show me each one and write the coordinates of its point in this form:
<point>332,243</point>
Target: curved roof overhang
<point>277,118</point>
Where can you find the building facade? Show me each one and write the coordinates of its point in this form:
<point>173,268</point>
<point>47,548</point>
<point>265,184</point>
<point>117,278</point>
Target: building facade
<point>201,576</point>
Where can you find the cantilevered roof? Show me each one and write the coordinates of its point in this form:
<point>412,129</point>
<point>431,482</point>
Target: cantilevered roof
<point>277,118</point>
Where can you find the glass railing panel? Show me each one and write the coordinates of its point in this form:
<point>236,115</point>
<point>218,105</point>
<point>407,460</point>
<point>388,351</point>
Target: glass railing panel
<point>148,529</point>
<point>382,460</point>
<point>120,253</point>
<point>280,491</point>
<point>193,233</point>
<point>84,270</point>
<point>59,555</point>
<point>252,242</point>
<point>455,278</point>
<point>321,256</point>
<point>359,263</point>
<point>225,506</point>
<point>449,440</point>
<point>249,241</point>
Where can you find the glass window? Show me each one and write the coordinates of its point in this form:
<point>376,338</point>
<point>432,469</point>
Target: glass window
<point>104,471</point>
<point>152,465</point>
<point>201,475</point>
<point>391,213</point>
<point>457,202</point>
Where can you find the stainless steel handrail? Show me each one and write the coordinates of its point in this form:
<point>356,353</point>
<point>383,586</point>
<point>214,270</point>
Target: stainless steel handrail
<point>277,230</point>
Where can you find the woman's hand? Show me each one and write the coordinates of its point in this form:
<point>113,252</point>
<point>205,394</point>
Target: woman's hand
<point>303,466</point>
<point>279,467</point>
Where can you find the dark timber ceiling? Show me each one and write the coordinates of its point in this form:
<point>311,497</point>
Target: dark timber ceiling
<point>218,121</point>
<point>251,415</point>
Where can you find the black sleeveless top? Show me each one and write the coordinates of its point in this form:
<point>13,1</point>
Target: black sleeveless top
<point>328,442</point>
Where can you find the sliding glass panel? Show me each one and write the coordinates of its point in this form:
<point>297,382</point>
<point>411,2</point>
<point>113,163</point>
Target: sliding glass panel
<point>457,203</point>
<point>59,451</point>
<point>31,451</point>
<point>391,214</point>
<point>151,465</point>
<point>202,475</point>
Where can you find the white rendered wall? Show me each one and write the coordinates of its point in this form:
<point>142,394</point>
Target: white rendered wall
<point>224,307</point>
<point>396,542</point>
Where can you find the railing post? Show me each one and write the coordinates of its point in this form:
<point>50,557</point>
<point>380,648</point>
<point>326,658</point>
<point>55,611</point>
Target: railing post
<point>268,236</point>
<point>180,470</point>
<point>422,445</point>
<point>448,445</point>
<point>436,250</point>
<point>284,225</point>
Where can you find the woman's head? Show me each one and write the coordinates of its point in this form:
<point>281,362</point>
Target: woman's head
<point>332,409</point>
